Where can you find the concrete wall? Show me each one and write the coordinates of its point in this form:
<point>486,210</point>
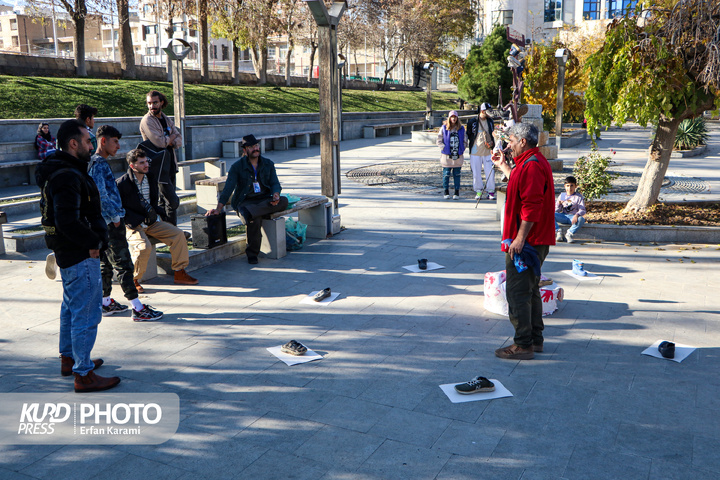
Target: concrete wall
<point>28,65</point>
<point>203,134</point>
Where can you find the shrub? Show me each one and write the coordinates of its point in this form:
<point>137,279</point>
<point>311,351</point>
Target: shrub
<point>592,174</point>
<point>691,134</point>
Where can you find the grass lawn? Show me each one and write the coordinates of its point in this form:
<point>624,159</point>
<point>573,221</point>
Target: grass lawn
<point>51,97</point>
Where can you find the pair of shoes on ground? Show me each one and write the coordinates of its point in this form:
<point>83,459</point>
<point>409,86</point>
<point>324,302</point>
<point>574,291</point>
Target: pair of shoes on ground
<point>476,385</point>
<point>183,278</point>
<point>456,196</point>
<point>578,268</point>
<point>568,236</point>
<point>516,352</point>
<point>146,314</point>
<point>322,295</point>
<point>90,382</point>
<point>294,348</point>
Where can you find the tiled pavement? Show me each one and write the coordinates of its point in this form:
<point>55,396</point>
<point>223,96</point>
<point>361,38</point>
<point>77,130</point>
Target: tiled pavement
<point>589,407</point>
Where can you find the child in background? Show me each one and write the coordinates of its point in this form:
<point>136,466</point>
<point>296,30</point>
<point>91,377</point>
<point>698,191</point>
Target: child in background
<point>569,210</point>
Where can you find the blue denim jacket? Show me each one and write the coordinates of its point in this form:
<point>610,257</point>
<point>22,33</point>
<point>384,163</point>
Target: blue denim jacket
<point>99,170</point>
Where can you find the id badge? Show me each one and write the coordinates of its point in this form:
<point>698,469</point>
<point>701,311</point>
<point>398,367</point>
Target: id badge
<point>256,187</point>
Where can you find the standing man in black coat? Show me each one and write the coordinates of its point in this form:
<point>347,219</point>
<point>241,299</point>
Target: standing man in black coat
<point>75,230</point>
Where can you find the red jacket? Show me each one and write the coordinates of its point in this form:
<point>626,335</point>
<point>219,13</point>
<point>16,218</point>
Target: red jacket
<point>531,197</point>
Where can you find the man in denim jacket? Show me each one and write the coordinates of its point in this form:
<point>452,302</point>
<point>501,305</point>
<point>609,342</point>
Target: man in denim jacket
<point>257,193</point>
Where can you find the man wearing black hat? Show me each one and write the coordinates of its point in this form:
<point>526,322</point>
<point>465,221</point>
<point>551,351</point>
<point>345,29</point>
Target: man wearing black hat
<point>257,193</point>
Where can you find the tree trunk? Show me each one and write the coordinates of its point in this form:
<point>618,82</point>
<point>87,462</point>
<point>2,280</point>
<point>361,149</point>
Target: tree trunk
<point>291,45</point>
<point>204,40</point>
<point>313,49</point>
<point>79,21</point>
<point>648,189</point>
<point>235,64</point>
<point>259,60</point>
<point>127,54</point>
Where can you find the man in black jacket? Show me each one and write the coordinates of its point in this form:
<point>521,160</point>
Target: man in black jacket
<point>481,140</point>
<point>75,230</point>
<point>139,194</point>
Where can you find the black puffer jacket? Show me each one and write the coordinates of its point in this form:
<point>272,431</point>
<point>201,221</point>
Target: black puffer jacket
<point>70,207</point>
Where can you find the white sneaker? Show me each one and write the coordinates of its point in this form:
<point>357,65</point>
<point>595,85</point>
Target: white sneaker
<point>491,196</point>
<point>456,197</point>
<point>51,266</point>
<point>569,237</point>
<point>558,236</point>
<point>447,197</point>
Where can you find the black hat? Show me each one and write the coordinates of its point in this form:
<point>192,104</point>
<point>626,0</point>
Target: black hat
<point>249,141</point>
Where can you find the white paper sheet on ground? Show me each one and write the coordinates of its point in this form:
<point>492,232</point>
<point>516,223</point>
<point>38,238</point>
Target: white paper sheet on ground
<point>681,351</point>
<point>291,360</point>
<point>309,299</point>
<point>455,397</point>
<point>416,269</point>
<point>589,276</point>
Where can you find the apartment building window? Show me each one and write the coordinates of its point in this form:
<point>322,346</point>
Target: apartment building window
<point>214,52</point>
<point>147,9</point>
<point>151,50</point>
<point>2,43</point>
<point>149,29</point>
<point>15,42</point>
<point>271,53</point>
<point>502,17</point>
<point>553,10</point>
<point>618,8</point>
<point>13,24</point>
<point>225,52</point>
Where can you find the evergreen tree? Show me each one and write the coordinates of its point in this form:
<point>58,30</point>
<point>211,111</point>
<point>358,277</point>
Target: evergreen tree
<point>486,69</point>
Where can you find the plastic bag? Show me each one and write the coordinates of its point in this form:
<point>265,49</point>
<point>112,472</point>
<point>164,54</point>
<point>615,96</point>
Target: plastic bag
<point>295,234</point>
<point>496,299</point>
<point>292,199</point>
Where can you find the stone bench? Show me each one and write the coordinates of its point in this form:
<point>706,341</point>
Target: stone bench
<point>279,141</point>
<point>387,129</point>
<point>214,167</point>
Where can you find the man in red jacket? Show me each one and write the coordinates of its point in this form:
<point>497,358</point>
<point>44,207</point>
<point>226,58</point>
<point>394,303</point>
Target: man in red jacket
<point>529,219</point>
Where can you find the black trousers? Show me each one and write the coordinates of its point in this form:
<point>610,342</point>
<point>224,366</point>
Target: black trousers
<point>117,258</point>
<point>259,208</point>
<point>524,302</point>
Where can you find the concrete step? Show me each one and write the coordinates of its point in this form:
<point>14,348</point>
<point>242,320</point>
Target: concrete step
<point>25,242</point>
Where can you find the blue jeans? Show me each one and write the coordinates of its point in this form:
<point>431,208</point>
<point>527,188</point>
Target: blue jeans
<point>456,177</point>
<point>80,312</point>
<point>566,219</point>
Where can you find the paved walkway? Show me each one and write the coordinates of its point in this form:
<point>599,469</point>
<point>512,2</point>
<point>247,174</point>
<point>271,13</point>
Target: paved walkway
<point>591,406</point>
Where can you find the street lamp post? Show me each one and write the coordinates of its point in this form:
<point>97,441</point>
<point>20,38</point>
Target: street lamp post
<point>428,67</point>
<point>561,55</point>
<point>327,20</point>
<point>176,62</point>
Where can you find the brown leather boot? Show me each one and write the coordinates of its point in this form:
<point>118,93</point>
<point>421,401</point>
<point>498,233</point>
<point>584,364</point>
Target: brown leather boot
<point>66,364</point>
<point>183,278</point>
<point>94,383</point>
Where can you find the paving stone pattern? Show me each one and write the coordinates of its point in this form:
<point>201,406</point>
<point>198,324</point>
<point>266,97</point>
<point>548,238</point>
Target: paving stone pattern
<point>591,406</point>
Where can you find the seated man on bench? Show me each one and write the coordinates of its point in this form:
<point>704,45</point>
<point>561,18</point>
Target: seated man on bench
<point>143,217</point>
<point>257,193</point>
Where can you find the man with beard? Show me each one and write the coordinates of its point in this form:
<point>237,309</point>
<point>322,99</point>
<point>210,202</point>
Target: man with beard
<point>159,130</point>
<point>76,232</point>
<point>257,193</point>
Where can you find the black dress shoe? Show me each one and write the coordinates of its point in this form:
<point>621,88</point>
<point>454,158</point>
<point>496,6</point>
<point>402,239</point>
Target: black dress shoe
<point>252,260</point>
<point>667,349</point>
<point>422,264</point>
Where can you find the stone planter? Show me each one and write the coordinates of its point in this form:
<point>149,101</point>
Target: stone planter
<point>425,137</point>
<point>689,153</point>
